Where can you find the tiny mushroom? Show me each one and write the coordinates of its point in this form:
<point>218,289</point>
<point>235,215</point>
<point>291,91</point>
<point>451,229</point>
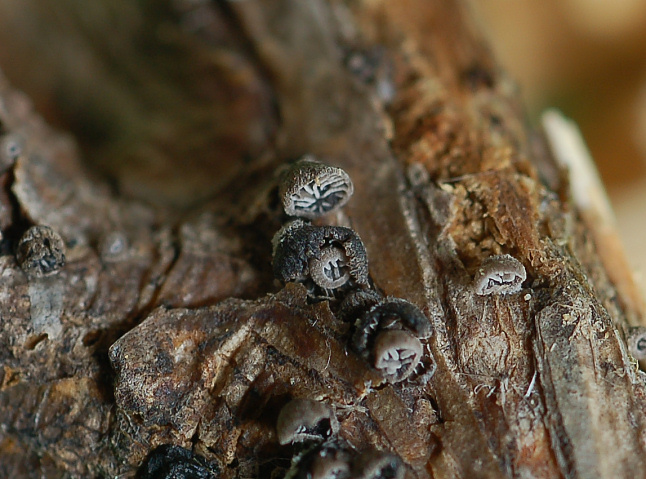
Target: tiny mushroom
<point>305,420</point>
<point>374,464</point>
<point>175,462</point>
<point>40,251</point>
<point>637,342</point>
<point>500,274</point>
<point>310,189</point>
<point>328,460</point>
<point>389,313</point>
<point>396,354</point>
<point>329,270</point>
<point>388,335</point>
<point>326,257</point>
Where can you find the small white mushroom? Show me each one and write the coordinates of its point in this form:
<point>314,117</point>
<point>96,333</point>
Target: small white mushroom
<point>500,274</point>
<point>303,420</point>
<point>396,354</point>
<point>637,342</point>
<point>310,189</point>
<point>390,313</point>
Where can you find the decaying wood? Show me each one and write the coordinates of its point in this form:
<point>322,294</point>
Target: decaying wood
<point>166,326</point>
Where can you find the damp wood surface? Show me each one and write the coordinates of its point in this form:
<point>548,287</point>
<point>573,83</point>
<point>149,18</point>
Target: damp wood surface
<point>166,325</point>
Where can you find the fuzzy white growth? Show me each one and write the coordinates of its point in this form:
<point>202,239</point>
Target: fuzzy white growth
<point>501,274</point>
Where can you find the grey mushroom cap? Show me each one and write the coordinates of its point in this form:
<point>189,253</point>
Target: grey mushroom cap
<point>396,354</point>
<point>310,189</point>
<point>330,269</point>
<point>389,313</point>
<point>303,420</point>
<point>500,274</point>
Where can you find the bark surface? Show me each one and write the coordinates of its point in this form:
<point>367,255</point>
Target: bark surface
<point>166,326</point>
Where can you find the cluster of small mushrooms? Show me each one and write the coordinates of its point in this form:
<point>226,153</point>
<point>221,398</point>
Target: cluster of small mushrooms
<point>331,262</point>
<point>311,426</point>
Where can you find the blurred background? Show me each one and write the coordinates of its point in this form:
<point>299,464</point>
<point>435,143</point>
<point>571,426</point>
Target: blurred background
<point>584,57</point>
<point>588,59</point>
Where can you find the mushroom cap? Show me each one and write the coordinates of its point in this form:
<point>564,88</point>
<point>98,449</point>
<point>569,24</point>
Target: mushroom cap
<point>500,274</point>
<point>292,246</point>
<point>310,189</point>
<point>302,420</point>
<point>389,313</point>
<point>330,269</point>
<point>396,354</point>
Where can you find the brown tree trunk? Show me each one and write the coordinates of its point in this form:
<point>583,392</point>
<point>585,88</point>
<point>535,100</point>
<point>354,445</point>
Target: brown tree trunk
<point>186,112</point>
